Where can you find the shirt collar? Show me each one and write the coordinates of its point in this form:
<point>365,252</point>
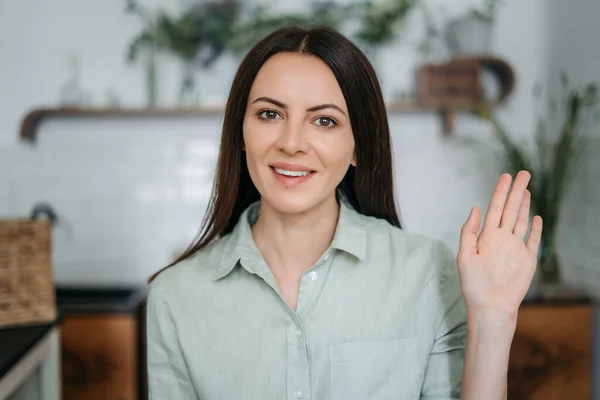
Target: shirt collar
<point>350,233</point>
<point>350,236</point>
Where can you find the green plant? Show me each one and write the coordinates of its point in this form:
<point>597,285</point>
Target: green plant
<point>201,34</point>
<point>489,9</point>
<point>260,22</point>
<point>555,156</point>
<point>217,25</point>
<point>204,32</point>
<point>381,22</point>
<point>148,20</point>
<point>378,23</point>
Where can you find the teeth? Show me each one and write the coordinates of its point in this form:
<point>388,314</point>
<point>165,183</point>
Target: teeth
<point>291,173</point>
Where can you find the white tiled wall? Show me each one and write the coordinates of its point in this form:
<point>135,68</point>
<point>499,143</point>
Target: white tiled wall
<point>131,193</point>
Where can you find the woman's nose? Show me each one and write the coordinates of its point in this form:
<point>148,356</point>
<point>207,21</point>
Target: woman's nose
<point>293,138</point>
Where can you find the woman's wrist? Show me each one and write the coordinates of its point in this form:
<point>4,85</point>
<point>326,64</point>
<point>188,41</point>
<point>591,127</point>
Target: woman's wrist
<point>492,323</point>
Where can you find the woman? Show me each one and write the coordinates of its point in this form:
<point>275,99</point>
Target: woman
<point>302,284</point>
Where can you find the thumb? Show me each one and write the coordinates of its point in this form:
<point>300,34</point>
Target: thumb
<point>468,235</point>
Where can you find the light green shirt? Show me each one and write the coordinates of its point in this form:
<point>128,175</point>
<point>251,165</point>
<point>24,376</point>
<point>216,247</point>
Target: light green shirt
<point>379,316</point>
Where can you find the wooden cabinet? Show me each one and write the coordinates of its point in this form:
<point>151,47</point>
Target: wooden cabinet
<point>103,347</point>
<point>99,357</point>
<point>551,354</point>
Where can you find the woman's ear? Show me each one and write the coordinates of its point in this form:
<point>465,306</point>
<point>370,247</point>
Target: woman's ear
<point>353,162</point>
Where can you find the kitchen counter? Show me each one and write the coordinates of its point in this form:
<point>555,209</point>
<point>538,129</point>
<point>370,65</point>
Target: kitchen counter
<point>29,362</point>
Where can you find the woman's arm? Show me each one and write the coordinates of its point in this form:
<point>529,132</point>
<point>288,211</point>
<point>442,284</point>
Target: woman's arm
<point>489,338</point>
<point>495,268</point>
<point>168,376</point>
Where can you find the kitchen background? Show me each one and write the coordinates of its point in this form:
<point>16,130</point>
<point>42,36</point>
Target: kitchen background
<point>130,192</point>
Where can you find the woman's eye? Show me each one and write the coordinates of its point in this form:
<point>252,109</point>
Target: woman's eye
<point>325,122</point>
<point>268,114</point>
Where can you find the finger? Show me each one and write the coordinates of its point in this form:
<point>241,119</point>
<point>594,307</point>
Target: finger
<point>535,235</point>
<point>513,204</point>
<point>468,235</point>
<point>523,218</point>
<point>494,212</point>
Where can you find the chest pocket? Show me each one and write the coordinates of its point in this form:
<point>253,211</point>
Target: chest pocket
<point>383,370</point>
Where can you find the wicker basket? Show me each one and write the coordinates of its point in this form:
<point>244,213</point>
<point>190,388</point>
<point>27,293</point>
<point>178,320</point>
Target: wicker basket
<point>27,292</point>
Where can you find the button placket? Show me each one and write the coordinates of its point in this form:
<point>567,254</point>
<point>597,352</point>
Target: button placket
<point>312,283</point>
<point>298,378</point>
<point>310,286</point>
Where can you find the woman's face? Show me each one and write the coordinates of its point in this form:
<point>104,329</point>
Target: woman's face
<point>297,134</point>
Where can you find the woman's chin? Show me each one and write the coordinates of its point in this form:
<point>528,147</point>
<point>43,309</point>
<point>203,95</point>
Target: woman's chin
<point>292,204</point>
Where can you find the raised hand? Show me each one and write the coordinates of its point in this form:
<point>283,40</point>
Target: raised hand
<point>496,266</point>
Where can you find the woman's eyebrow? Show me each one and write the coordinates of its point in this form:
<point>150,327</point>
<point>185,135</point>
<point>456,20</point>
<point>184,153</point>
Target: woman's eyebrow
<point>283,105</point>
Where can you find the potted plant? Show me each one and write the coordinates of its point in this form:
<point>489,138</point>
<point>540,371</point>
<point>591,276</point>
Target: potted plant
<point>380,22</point>
<point>471,34</point>
<point>208,29</point>
<point>556,154</point>
<point>198,37</point>
<point>259,22</point>
<point>375,23</point>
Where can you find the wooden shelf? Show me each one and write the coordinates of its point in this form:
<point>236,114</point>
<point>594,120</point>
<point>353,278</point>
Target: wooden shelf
<point>32,121</point>
<point>444,89</point>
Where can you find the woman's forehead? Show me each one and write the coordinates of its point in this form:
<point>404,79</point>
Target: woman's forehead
<point>296,78</point>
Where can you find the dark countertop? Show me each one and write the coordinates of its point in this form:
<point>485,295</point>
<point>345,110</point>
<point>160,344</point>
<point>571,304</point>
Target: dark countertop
<point>565,297</point>
<point>100,299</point>
<point>16,342</point>
<point>558,302</point>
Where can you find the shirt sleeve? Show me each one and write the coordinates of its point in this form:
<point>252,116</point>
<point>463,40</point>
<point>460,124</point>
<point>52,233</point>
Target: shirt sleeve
<point>168,376</point>
<point>443,373</point>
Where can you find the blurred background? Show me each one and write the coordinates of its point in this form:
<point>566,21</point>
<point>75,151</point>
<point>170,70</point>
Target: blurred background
<point>110,121</point>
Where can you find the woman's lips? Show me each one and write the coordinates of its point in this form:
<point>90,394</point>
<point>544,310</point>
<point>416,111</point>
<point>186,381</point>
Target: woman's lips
<point>290,181</point>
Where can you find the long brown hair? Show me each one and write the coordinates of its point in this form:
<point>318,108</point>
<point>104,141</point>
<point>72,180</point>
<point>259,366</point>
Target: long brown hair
<point>368,187</point>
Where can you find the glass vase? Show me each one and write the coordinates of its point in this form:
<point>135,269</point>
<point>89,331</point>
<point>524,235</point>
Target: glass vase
<point>188,93</point>
<point>548,265</point>
<point>549,282</point>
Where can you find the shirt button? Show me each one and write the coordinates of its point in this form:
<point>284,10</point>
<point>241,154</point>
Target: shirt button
<point>313,275</point>
<point>298,393</point>
<point>299,332</point>
<point>326,256</point>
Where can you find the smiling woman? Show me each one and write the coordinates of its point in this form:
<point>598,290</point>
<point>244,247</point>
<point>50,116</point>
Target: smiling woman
<point>292,136</point>
<point>301,283</point>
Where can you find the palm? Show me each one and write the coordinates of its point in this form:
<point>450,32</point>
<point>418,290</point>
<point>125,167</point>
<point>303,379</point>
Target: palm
<point>496,266</point>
